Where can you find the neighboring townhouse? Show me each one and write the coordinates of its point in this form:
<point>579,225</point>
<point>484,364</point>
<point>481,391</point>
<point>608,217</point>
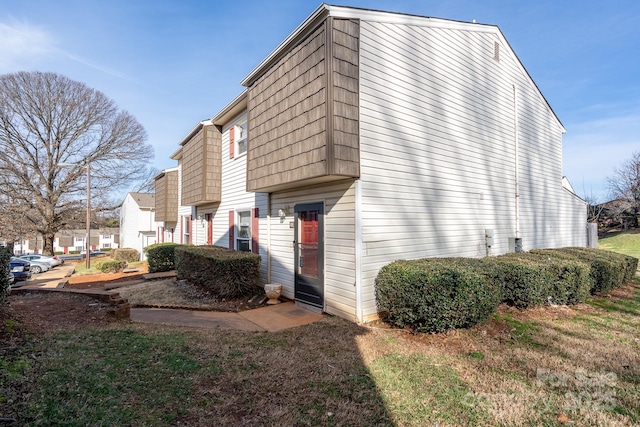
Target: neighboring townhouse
<point>67,241</point>
<point>376,136</point>
<point>167,200</point>
<point>214,207</point>
<point>138,227</point>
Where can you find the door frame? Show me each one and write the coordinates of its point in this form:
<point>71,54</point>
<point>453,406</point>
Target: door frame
<point>317,283</point>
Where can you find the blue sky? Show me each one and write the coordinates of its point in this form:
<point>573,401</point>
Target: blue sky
<point>172,63</point>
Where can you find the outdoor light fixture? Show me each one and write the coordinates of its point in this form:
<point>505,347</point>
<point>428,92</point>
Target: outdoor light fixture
<point>284,211</point>
<point>88,235</point>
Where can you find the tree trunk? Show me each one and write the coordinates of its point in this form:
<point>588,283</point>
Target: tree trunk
<point>47,248</point>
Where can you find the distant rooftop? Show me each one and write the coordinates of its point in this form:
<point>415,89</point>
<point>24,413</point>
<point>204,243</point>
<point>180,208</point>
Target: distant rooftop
<point>144,200</point>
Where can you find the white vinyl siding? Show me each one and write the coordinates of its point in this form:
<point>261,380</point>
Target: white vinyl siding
<point>437,117</point>
<point>338,239</point>
<point>183,211</point>
<point>234,197</point>
<point>133,221</point>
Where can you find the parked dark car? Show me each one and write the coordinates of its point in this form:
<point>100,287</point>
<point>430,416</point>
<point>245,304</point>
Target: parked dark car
<point>20,268</point>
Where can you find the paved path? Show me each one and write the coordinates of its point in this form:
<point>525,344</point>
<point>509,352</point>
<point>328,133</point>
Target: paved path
<point>273,318</point>
<point>54,278</point>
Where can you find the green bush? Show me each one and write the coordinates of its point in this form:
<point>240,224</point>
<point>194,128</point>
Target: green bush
<point>112,266</point>
<point>227,273</point>
<point>432,295</point>
<point>530,279</point>
<point>437,294</point>
<point>628,263</point>
<point>5,257</point>
<point>161,257</point>
<point>608,269</point>
<point>125,254</point>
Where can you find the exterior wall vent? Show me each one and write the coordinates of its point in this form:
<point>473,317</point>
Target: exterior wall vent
<point>496,51</point>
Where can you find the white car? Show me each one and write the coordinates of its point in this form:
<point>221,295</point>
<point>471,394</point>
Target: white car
<point>39,266</point>
<point>51,260</point>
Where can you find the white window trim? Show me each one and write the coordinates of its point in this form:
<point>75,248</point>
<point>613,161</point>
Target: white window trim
<point>237,227</point>
<point>237,140</point>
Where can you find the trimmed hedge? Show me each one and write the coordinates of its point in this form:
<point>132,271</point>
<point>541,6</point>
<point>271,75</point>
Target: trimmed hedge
<point>125,254</point>
<point>433,295</point>
<point>530,279</point>
<point>228,273</point>
<point>113,266</point>
<point>607,270</point>
<point>161,257</point>
<point>436,294</point>
<point>5,257</point>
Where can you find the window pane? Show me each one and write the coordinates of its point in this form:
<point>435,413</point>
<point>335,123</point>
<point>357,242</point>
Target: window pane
<point>242,146</point>
<point>242,130</point>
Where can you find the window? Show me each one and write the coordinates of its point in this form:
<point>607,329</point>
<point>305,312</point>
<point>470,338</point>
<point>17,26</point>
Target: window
<point>106,245</point>
<point>243,241</point>
<point>106,236</point>
<point>240,136</point>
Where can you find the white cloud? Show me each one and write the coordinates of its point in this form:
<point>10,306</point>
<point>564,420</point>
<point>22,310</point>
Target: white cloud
<point>98,67</point>
<point>22,44</point>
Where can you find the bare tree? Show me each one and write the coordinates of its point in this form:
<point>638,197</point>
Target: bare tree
<point>594,208</point>
<point>47,119</point>
<point>147,184</point>
<point>13,223</point>
<point>625,189</point>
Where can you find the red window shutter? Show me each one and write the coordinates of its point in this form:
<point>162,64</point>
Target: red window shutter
<point>231,141</point>
<point>209,230</point>
<point>255,223</point>
<point>232,229</point>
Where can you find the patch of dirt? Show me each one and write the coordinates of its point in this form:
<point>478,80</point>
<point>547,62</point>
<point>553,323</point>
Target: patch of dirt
<point>624,292</point>
<point>173,293</point>
<point>41,313</point>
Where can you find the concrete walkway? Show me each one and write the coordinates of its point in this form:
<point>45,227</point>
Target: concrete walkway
<point>53,278</point>
<point>273,318</point>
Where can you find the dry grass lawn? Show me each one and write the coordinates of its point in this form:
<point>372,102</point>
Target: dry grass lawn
<point>547,366</point>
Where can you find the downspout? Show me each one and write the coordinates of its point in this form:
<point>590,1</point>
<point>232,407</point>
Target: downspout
<point>358,249</point>
<point>268,237</point>
<point>517,160</point>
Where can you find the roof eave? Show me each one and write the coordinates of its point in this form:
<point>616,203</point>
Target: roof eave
<point>232,109</point>
<point>195,130</point>
<point>316,17</point>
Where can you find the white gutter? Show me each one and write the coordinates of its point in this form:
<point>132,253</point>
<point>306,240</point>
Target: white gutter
<point>517,159</point>
<point>233,108</point>
<point>321,10</point>
<point>358,249</point>
<point>268,237</point>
